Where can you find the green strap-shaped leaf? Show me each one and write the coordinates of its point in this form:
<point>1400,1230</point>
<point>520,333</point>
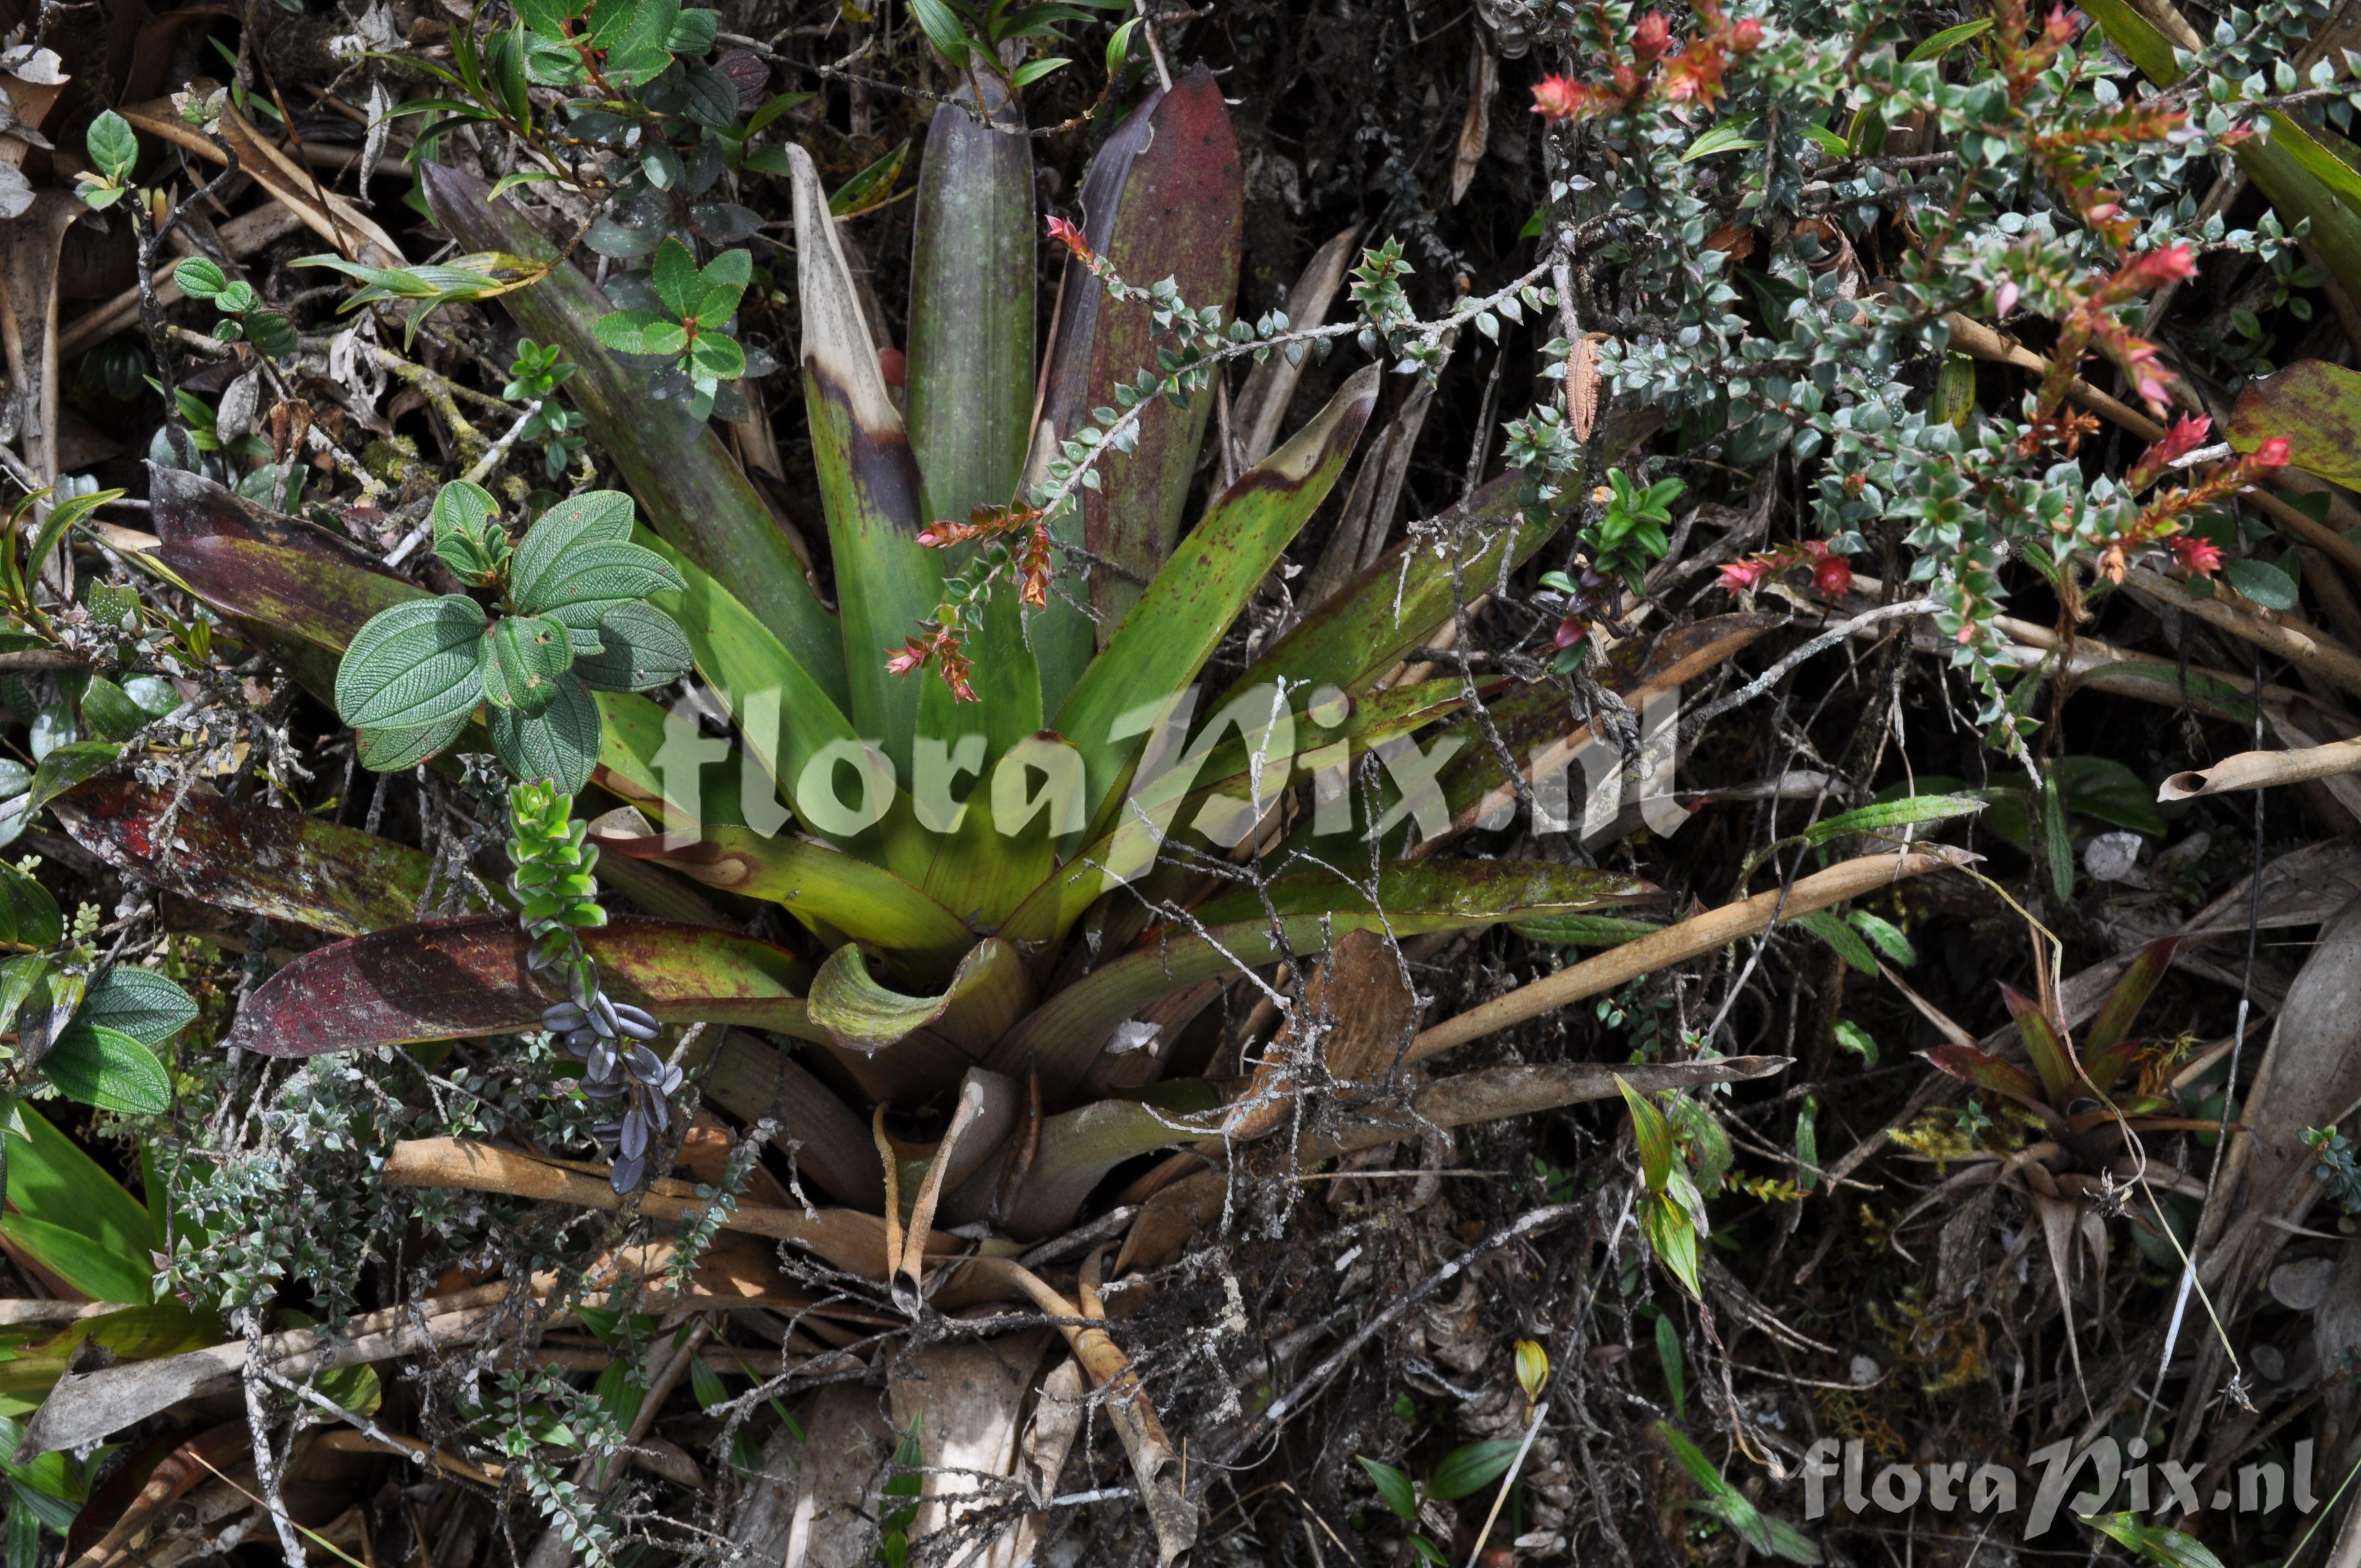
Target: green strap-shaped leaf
<point>817,885</point>
<point>74,1218</point>
<point>1909,809</point>
<point>1397,603</point>
<point>886,582</point>
<point>1986,1071</point>
<point>2052,1060</point>
<point>108,1069</point>
<point>1173,630</point>
<point>692,490</point>
<point>986,995</point>
<point>1847,943</point>
<point>1080,1146</point>
<point>2104,1053</point>
<point>1050,910</point>
<point>27,913</point>
<point>971,380</point>
<point>784,717</point>
<point>1586,930</point>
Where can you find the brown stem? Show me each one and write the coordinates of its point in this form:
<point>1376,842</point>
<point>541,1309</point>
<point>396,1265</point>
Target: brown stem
<point>2301,644</point>
<point>1676,944</point>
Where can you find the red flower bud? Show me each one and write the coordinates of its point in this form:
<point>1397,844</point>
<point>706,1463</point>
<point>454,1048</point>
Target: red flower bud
<point>1653,37</point>
<point>1555,98</point>
<point>1069,237</point>
<point>1743,577</point>
<point>2197,556</point>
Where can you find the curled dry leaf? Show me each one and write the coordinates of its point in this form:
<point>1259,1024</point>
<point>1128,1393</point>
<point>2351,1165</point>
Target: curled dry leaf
<point>1582,385</point>
<point>2261,770</point>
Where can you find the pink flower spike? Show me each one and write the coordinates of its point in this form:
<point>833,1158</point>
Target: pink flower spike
<point>2187,434</point>
<point>2005,299</point>
<point>2276,453</point>
<point>1743,577</point>
<point>2171,264</point>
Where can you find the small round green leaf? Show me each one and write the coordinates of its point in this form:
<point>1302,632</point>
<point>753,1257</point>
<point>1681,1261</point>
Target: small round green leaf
<point>640,332</point>
<point>198,277</point>
<point>112,147</point>
<point>716,357</point>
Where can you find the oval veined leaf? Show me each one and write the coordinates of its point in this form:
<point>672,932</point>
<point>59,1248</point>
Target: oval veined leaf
<point>108,1069</point>
<point>412,665</point>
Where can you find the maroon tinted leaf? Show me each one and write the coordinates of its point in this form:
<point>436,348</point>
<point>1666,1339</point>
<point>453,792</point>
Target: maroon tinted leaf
<point>2045,1044</point>
<point>1988,1072</point>
<point>2107,1057</point>
<point>1163,198</point>
<point>262,567</point>
<point>443,979</point>
<point>281,864</point>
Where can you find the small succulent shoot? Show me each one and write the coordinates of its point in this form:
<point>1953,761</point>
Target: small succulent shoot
<point>557,900</point>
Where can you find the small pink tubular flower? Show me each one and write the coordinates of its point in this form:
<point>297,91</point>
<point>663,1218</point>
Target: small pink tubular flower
<point>2200,556</point>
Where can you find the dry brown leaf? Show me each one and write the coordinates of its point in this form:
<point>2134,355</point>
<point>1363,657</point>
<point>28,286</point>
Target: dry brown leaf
<point>2262,770</point>
<point>1475,125</point>
<point>1582,385</point>
<point>353,233</point>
